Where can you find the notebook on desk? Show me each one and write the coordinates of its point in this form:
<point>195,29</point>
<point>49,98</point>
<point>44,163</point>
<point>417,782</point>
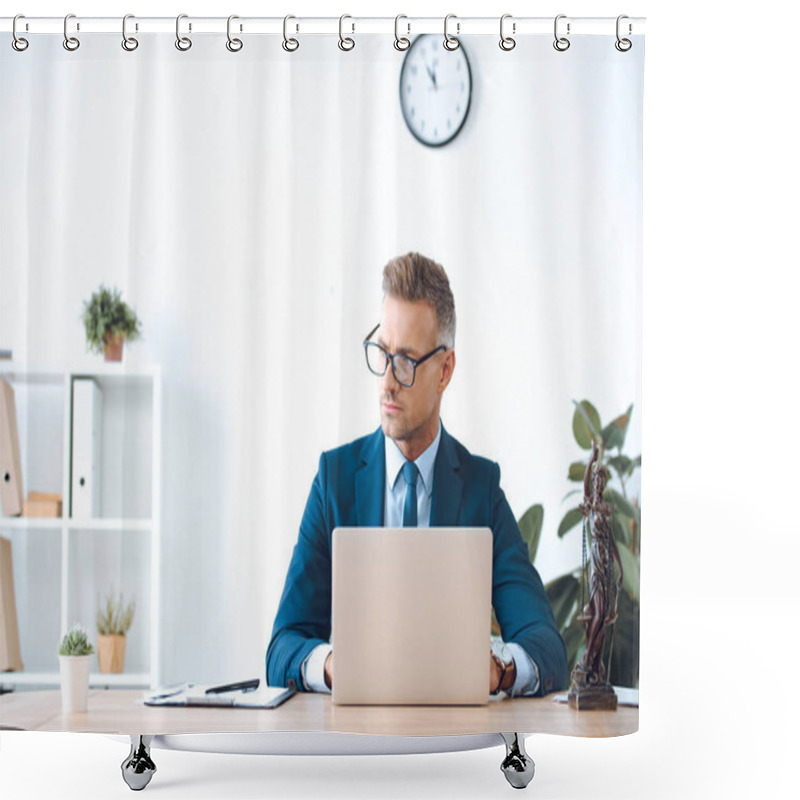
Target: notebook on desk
<point>190,694</point>
<point>411,616</point>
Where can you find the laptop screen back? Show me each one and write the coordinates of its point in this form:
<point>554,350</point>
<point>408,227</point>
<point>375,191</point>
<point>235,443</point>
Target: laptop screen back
<point>411,612</point>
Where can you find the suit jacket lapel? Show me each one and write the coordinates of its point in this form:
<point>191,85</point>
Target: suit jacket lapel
<point>447,484</point>
<point>370,479</point>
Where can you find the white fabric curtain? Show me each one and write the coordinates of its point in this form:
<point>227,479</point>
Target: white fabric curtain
<point>245,205</point>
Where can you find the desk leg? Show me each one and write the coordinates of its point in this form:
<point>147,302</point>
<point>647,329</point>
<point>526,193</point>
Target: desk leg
<point>138,768</point>
<point>518,766</point>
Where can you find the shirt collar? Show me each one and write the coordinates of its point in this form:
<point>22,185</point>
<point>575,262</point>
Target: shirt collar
<point>395,460</point>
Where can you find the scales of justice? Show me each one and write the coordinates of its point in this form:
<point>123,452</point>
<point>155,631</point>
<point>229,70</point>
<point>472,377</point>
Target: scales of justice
<point>590,690</point>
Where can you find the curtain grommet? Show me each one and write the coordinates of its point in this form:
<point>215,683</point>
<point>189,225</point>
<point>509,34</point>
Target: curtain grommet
<point>561,43</point>
<point>289,44</point>
<point>623,45</point>
<point>19,43</point>
<point>233,44</point>
<point>346,43</point>
<point>182,43</point>
<point>71,43</point>
<point>129,43</point>
<point>401,43</point>
<point>507,42</point>
<point>451,42</point>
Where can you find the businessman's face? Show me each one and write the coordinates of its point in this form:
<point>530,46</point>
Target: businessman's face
<point>410,414</point>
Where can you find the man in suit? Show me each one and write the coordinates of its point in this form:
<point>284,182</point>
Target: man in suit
<point>412,472</point>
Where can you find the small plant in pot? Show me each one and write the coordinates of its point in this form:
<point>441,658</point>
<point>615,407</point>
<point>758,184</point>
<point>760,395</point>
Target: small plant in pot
<point>108,321</point>
<point>114,619</point>
<point>74,655</point>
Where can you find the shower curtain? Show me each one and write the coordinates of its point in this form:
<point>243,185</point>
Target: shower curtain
<point>243,199</point>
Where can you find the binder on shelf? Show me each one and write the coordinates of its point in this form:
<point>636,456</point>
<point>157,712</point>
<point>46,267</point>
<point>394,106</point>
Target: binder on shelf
<point>85,473</point>
<point>10,463</point>
<point>10,656</point>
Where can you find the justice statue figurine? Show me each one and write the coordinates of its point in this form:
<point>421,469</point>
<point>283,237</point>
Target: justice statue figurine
<point>590,690</point>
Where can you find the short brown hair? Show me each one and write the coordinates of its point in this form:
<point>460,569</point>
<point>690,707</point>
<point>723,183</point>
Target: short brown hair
<point>414,277</point>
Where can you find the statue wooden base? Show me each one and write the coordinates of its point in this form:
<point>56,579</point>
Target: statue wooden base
<point>599,697</point>
<point>589,694</point>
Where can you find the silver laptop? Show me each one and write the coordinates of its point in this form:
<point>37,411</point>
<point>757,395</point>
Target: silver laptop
<point>411,611</point>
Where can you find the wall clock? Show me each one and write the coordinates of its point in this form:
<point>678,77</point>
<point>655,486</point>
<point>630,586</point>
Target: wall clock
<point>435,90</point>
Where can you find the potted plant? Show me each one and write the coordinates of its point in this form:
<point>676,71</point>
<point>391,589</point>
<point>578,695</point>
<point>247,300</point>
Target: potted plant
<point>108,322</point>
<point>113,621</point>
<point>73,656</point>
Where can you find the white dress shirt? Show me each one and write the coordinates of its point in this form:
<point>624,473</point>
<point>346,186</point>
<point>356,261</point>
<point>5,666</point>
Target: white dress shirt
<point>313,668</point>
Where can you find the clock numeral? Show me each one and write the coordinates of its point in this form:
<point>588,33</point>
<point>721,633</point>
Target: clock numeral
<point>449,124</point>
<point>436,133</point>
<point>413,110</point>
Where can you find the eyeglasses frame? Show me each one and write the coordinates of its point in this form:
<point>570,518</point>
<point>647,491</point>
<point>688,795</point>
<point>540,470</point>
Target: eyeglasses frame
<point>415,362</point>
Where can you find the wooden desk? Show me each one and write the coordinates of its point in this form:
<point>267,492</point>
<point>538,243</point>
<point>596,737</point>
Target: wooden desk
<point>116,712</point>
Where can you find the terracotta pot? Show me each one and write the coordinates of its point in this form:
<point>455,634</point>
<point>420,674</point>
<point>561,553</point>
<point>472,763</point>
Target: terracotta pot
<point>111,653</point>
<point>74,683</point>
<point>112,347</point>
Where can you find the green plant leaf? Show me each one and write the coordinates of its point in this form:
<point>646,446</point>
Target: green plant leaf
<point>577,469</point>
<point>630,571</point>
<point>563,594</point>
<point>571,519</point>
<point>624,667</point>
<point>585,424</point>
<point>621,505</point>
<point>572,492</point>
<point>530,526</point>
<point>622,465</point>
<point>621,527</point>
<point>573,635</point>
<point>614,432</point>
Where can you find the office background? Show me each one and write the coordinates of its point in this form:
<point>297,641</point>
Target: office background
<point>245,204</point>
<point>720,282</point>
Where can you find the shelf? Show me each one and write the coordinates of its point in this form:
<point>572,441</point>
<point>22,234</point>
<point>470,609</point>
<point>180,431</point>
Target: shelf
<point>57,523</point>
<point>143,525</point>
<point>96,679</point>
<point>32,523</point>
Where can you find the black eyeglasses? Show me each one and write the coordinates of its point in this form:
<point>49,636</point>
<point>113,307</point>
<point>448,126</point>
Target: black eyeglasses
<point>404,368</point>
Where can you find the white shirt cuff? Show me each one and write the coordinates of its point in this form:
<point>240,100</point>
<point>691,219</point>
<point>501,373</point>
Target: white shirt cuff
<point>313,669</point>
<point>527,681</point>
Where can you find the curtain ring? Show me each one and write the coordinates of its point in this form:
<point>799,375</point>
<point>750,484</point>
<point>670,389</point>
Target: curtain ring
<point>623,45</point>
<point>289,45</point>
<point>128,42</point>
<point>183,43</point>
<point>70,42</point>
<point>450,42</point>
<point>506,42</point>
<point>346,43</point>
<point>561,43</point>
<point>401,43</point>
<point>18,43</point>
<point>234,45</point>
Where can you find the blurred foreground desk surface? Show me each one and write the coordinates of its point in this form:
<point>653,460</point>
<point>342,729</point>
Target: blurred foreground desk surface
<point>304,718</point>
<point>117,712</point>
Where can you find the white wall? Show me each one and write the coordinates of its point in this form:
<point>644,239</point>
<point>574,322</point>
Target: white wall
<point>255,268</point>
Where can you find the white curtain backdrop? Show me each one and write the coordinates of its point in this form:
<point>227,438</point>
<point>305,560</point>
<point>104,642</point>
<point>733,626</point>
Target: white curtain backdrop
<point>245,204</point>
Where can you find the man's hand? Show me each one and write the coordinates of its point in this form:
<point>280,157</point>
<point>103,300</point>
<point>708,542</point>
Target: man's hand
<point>329,670</point>
<point>495,673</point>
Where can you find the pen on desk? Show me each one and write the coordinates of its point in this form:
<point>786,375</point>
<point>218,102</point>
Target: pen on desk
<point>244,686</point>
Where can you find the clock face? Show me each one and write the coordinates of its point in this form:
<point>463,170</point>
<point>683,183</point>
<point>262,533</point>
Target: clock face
<point>435,90</point>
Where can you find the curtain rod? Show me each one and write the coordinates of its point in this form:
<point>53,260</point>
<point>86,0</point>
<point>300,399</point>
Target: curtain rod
<point>457,26</point>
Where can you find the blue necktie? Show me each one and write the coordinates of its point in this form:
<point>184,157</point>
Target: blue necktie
<point>410,472</point>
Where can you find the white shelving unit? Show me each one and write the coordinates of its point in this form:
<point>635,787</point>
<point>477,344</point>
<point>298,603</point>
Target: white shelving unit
<point>63,566</point>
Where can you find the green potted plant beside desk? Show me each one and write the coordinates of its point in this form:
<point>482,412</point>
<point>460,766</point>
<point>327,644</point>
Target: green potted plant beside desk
<point>74,655</point>
<point>113,622</point>
<point>108,321</point>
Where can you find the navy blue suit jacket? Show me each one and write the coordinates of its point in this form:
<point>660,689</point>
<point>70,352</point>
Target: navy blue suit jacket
<point>348,490</point>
